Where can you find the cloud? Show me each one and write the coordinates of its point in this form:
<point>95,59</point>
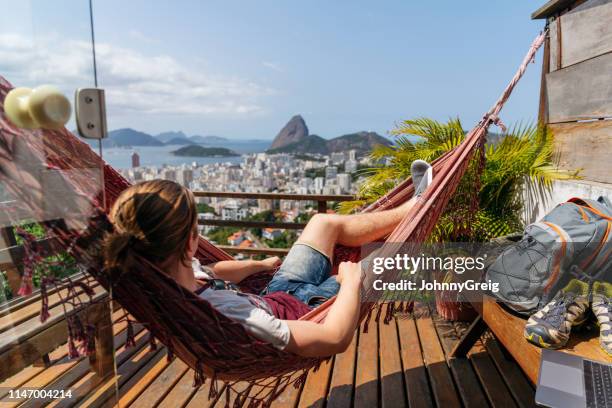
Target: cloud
<point>135,83</point>
<point>273,66</point>
<point>140,36</point>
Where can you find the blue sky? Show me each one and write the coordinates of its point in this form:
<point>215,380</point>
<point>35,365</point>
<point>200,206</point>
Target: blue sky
<point>241,69</point>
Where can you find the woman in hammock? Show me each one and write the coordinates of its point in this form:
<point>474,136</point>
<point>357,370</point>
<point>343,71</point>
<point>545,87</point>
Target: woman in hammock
<point>158,220</point>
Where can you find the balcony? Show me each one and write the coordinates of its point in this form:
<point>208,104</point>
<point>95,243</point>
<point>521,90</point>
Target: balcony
<point>408,362</point>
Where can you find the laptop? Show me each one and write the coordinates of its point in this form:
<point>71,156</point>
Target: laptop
<point>569,381</point>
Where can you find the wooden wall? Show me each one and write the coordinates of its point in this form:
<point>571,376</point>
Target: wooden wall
<point>586,146</point>
<point>584,33</point>
<point>577,88</point>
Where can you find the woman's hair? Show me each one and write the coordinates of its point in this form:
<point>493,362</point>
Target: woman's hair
<point>154,219</point>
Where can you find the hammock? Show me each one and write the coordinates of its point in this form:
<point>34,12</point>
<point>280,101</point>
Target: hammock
<point>210,343</point>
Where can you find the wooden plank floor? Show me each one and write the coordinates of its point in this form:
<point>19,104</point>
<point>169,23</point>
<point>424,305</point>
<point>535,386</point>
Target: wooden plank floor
<point>403,364</point>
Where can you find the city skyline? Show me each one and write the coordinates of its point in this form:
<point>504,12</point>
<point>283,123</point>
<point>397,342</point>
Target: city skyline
<point>241,70</point>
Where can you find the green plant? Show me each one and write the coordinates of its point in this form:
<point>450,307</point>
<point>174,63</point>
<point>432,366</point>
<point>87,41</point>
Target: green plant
<point>221,234</point>
<point>522,159</point>
<point>59,265</point>
<point>6,292</point>
<point>204,208</point>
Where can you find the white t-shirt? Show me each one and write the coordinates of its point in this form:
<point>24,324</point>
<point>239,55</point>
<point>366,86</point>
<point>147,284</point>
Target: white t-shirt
<point>249,310</point>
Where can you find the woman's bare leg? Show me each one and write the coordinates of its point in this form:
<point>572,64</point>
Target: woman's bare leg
<point>324,231</point>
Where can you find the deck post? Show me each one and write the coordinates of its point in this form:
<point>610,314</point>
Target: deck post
<point>103,360</point>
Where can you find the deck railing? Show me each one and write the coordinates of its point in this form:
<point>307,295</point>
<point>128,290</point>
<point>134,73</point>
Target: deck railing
<point>321,200</point>
<point>24,340</point>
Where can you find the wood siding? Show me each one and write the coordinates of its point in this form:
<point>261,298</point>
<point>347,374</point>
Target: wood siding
<point>581,91</point>
<point>586,146</point>
<point>586,32</point>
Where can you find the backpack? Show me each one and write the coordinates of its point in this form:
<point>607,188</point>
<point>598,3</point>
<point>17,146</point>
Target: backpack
<point>574,240</point>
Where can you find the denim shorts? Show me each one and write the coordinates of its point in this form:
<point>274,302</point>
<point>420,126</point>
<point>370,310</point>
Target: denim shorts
<point>305,274</point>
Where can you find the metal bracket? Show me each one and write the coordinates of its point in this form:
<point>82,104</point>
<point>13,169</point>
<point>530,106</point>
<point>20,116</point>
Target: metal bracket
<point>90,112</point>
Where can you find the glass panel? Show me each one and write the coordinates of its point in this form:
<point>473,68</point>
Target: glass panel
<point>56,339</point>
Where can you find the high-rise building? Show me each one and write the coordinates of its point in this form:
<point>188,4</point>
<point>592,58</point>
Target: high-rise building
<point>352,154</point>
<point>168,174</point>
<point>135,160</point>
<point>331,172</point>
<point>337,157</point>
<point>184,177</point>
<point>344,182</point>
<point>319,183</point>
<point>350,166</point>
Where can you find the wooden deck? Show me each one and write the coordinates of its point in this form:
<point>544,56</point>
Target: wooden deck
<point>401,364</point>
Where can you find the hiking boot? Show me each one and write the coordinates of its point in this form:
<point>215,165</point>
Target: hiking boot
<point>602,309</point>
<point>550,327</point>
<point>422,174</point>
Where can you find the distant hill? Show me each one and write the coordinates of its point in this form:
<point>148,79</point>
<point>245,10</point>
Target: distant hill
<point>200,151</point>
<point>310,144</point>
<point>294,131</point>
<point>130,137</point>
<point>165,137</point>
<point>175,137</point>
<point>294,138</point>
<point>362,142</point>
<point>494,138</point>
<point>178,141</point>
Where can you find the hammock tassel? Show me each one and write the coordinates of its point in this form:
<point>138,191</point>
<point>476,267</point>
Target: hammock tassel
<point>198,375</point>
<point>26,284</point>
<point>366,323</point>
<point>300,380</point>
<point>390,312</point>
<point>29,261</point>
<point>254,403</point>
<point>242,396</point>
<point>44,300</point>
<point>130,341</point>
<point>213,391</point>
<point>227,396</point>
<point>169,352</point>
<point>379,309</point>
<point>276,391</point>
<point>72,350</point>
<point>152,342</point>
<point>78,331</point>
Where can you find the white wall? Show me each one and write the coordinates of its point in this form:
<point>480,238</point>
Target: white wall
<point>537,207</point>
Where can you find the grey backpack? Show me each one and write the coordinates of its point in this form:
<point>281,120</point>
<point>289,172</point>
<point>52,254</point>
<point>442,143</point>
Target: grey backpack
<point>574,240</point>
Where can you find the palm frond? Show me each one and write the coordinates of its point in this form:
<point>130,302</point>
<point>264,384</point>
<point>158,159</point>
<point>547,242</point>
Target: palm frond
<point>522,160</point>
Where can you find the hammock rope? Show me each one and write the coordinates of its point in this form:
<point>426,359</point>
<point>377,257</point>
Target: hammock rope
<point>216,347</point>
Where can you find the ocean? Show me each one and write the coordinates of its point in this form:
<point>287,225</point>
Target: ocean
<point>121,157</point>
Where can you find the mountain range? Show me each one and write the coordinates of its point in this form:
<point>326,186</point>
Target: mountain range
<point>179,137</point>
<point>128,137</point>
<point>295,138</point>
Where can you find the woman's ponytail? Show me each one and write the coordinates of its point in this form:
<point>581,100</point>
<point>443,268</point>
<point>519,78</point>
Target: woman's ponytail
<point>116,249</point>
<point>154,220</point>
